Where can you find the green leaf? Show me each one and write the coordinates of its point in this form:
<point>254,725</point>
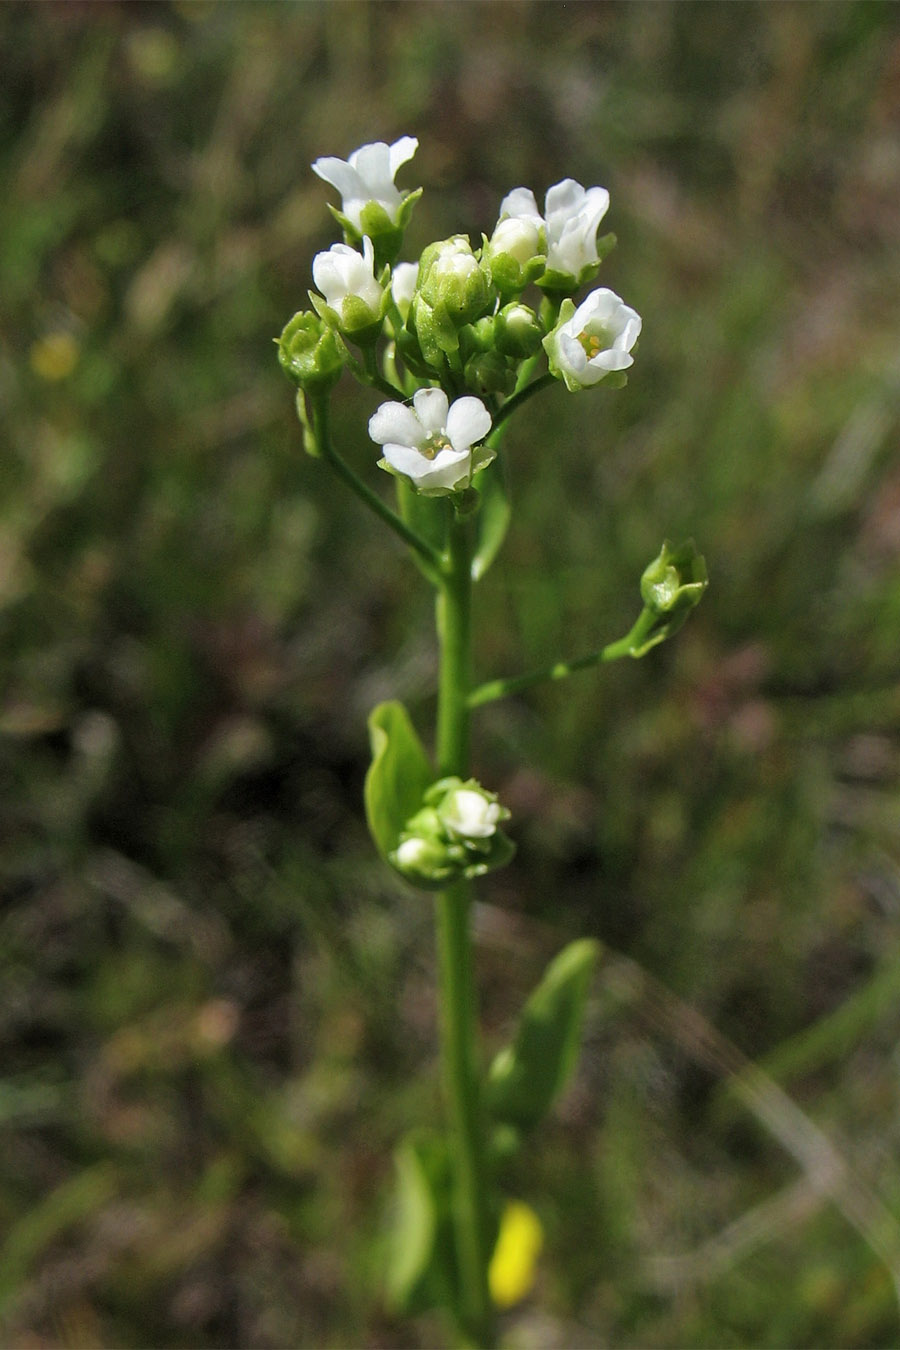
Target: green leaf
<point>493,517</point>
<point>526,1077</point>
<point>397,777</point>
<point>422,1270</point>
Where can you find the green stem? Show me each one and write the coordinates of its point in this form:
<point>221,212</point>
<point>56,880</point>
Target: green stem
<point>561,670</point>
<point>457,996</point>
<point>322,435</point>
<point>516,400</point>
<point>373,376</point>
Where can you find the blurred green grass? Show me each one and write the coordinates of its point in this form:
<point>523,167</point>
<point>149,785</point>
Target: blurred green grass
<point>217,1015</point>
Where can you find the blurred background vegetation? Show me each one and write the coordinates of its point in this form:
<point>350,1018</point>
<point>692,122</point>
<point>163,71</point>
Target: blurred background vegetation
<point>217,1008</point>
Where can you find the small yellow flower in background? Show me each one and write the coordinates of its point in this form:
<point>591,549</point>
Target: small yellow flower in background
<point>54,356</point>
<point>512,1270</point>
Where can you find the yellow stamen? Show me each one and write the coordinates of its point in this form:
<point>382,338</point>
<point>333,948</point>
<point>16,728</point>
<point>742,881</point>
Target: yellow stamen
<point>591,344</point>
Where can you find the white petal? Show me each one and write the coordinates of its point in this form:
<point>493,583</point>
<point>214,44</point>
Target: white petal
<point>401,152</point>
<point>403,284</point>
<point>468,421</point>
<point>520,205</point>
<point>431,409</point>
<point>562,201</point>
<point>395,422</point>
<point>339,174</point>
<point>444,471</point>
<point>373,164</point>
<point>448,469</point>
<point>612,359</point>
<point>573,354</point>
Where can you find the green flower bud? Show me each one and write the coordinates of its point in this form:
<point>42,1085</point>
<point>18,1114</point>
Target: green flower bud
<point>453,291</point>
<point>675,581</point>
<point>518,331</point>
<point>515,254</point>
<point>453,835</point>
<point>488,373</point>
<point>310,353</point>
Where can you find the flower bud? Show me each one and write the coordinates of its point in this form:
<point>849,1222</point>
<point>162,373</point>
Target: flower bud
<point>675,581</point>
<point>514,254</point>
<point>454,834</point>
<point>310,353</point>
<point>518,332</point>
<point>355,302</point>
<point>453,290</point>
<point>488,373</point>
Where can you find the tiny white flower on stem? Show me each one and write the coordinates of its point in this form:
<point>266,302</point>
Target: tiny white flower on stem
<point>434,443</point>
<point>592,341</point>
<point>353,297</point>
<point>572,216</point>
<point>470,814</point>
<point>368,176</point>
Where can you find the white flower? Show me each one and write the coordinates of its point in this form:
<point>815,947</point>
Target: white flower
<point>368,176</point>
<point>592,340</point>
<point>403,285</point>
<point>343,274</point>
<point>431,442</point>
<point>572,215</point>
<point>470,814</point>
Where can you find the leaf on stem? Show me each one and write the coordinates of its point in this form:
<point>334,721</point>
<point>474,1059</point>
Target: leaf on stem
<point>398,775</point>
<point>422,1271</point>
<point>527,1076</point>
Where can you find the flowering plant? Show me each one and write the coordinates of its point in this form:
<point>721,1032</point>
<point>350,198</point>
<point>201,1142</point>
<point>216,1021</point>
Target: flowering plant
<point>455,349</point>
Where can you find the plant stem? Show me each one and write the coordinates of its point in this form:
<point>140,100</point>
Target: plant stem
<point>457,985</point>
<point>322,434</point>
<point>516,400</point>
<point>560,670</point>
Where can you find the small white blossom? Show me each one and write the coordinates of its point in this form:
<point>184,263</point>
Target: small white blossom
<point>343,274</point>
<point>516,236</point>
<point>403,285</point>
<point>368,176</point>
<point>432,442</point>
<point>572,216</point>
<point>592,340</point>
<point>469,814</point>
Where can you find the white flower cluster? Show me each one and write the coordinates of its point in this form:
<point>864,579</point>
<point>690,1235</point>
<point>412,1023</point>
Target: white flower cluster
<point>459,330</point>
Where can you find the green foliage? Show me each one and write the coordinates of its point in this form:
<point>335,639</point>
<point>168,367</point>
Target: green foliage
<point>398,775</point>
<point>423,1273</point>
<point>527,1076</point>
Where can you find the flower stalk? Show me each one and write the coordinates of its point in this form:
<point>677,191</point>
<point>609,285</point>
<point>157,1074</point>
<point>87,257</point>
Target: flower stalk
<point>457,350</point>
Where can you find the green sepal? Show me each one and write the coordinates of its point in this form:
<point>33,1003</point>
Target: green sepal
<point>527,1076</point>
<point>397,777</point>
<point>671,587</point>
<point>422,1268</point>
<point>386,236</point>
<point>564,281</point>
<point>493,517</point>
